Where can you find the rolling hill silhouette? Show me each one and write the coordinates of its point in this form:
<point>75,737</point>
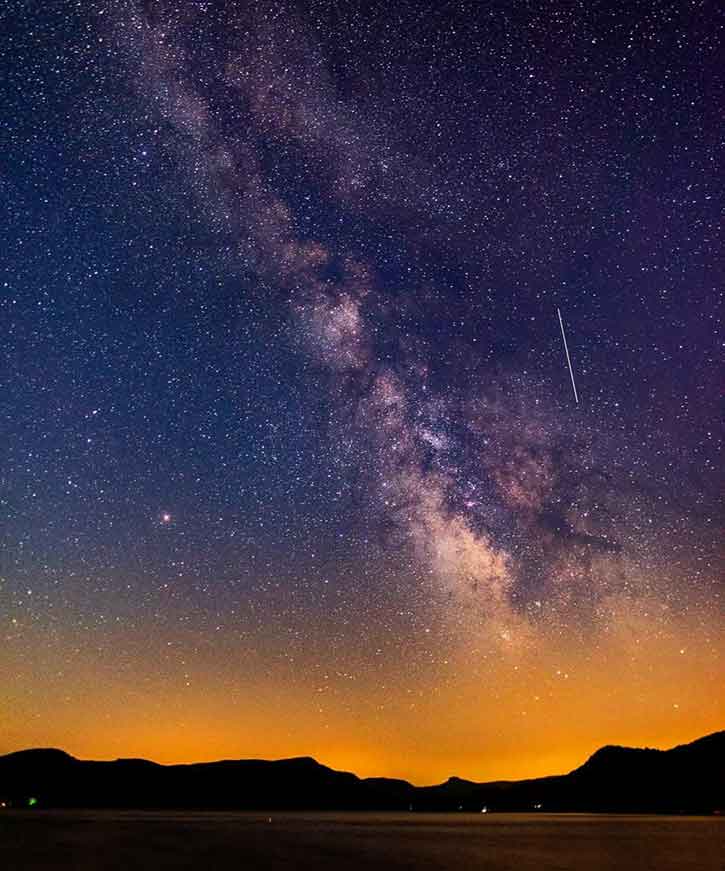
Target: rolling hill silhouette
<point>689,778</point>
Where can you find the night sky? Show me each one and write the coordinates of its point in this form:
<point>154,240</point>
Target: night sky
<point>290,458</point>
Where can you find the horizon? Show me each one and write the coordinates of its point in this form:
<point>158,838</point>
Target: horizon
<point>358,774</point>
<point>360,382</point>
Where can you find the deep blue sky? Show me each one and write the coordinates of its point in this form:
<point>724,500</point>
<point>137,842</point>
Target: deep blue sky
<point>278,290</point>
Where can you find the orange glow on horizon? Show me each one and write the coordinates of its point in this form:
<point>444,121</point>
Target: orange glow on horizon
<point>534,712</point>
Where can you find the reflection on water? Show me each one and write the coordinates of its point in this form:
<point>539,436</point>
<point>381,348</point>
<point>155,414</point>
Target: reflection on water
<point>270,841</point>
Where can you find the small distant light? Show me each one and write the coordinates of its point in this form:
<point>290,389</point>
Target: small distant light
<point>32,802</point>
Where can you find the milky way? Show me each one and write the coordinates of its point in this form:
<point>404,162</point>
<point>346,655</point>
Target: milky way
<point>399,201</point>
<point>500,492</point>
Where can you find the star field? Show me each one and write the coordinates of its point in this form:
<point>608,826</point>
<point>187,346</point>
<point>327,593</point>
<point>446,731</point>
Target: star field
<point>290,460</point>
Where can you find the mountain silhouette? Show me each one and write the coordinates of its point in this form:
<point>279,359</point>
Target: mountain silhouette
<point>689,778</point>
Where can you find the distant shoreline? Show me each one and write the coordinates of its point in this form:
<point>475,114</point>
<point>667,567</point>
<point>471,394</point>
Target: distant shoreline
<point>685,780</point>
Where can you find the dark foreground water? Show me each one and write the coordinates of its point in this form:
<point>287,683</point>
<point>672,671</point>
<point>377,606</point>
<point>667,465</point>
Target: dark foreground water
<point>86,841</point>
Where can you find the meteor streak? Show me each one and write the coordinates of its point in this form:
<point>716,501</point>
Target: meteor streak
<point>568,358</point>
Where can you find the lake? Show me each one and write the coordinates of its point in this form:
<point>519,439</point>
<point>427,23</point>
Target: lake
<point>110,840</point>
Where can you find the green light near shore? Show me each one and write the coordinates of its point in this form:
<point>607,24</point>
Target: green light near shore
<point>32,802</point>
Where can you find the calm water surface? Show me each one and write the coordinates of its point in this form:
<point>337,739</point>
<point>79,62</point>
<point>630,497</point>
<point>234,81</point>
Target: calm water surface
<point>86,841</point>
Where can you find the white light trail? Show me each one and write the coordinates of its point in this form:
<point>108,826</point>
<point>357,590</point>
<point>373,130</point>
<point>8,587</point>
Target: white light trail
<point>568,358</point>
